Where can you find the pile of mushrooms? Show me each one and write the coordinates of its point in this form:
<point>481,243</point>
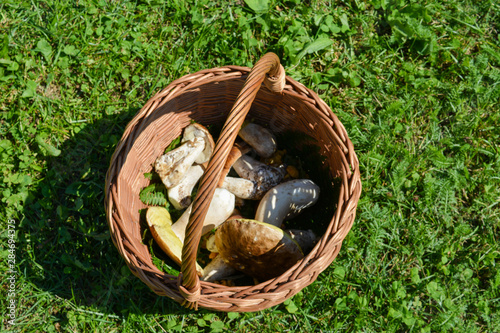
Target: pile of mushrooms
<point>256,247</point>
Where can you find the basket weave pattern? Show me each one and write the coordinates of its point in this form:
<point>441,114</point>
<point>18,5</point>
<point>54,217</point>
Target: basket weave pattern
<point>225,96</point>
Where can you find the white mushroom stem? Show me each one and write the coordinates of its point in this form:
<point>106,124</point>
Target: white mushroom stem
<point>220,209</point>
<point>238,150</point>
<point>199,131</point>
<point>170,237</point>
<point>287,200</point>
<point>260,138</point>
<point>172,166</point>
<point>240,187</point>
<point>197,147</point>
<point>180,194</point>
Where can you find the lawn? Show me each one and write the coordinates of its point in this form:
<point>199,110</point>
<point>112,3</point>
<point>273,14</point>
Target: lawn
<point>416,85</point>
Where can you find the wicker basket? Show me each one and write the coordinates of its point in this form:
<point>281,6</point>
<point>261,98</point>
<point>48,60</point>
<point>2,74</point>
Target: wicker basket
<point>225,96</point>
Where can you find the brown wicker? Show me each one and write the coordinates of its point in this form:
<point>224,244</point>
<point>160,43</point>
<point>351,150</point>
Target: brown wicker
<point>225,96</point>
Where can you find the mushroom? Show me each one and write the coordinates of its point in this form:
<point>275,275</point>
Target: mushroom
<point>258,249</point>
<point>249,168</point>
<point>195,130</point>
<point>287,200</point>
<point>260,138</point>
<point>305,238</point>
<point>220,209</point>
<point>256,178</point>
<point>219,269</point>
<point>160,224</point>
<point>241,187</point>
<point>172,166</point>
<point>197,147</point>
<point>170,237</point>
<point>239,149</point>
<point>180,194</point>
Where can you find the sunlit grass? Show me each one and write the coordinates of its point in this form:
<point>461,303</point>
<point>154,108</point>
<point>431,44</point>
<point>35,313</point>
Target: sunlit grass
<point>415,84</point>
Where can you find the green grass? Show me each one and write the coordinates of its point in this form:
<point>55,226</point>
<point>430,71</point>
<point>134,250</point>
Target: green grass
<point>416,85</point>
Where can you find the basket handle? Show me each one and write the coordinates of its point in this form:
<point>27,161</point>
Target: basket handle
<point>269,71</point>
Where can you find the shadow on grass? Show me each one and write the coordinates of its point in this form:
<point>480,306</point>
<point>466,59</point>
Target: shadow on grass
<point>72,254</point>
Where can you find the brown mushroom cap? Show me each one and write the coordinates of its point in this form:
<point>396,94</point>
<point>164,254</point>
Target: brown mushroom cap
<point>255,248</point>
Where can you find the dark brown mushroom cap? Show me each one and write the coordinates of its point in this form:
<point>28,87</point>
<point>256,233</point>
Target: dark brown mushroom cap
<point>260,138</point>
<point>257,249</point>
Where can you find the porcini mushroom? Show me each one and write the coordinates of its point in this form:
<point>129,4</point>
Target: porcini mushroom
<point>196,130</point>
<point>220,209</point>
<point>172,166</point>
<point>305,238</point>
<point>287,200</point>
<point>170,236</point>
<point>160,224</point>
<point>256,178</point>
<point>242,188</point>
<point>180,194</point>
<point>257,249</point>
<point>249,168</point>
<point>197,147</point>
<point>216,269</point>
<point>260,138</point>
<point>219,269</point>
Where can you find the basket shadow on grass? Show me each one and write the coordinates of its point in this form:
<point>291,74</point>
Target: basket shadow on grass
<point>73,256</point>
